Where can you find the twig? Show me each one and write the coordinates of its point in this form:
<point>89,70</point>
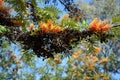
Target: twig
<point>116,25</point>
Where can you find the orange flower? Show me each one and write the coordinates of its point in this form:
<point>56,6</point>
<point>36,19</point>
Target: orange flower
<point>50,28</point>
<point>56,29</point>
<point>100,27</point>
<point>76,54</point>
<point>95,59</point>
<point>97,49</point>
<point>90,65</point>
<point>43,27</point>
<point>106,28</point>
<point>32,26</point>
<point>57,60</point>
<point>104,60</point>
<point>14,56</point>
<point>1,2</point>
<point>93,24</point>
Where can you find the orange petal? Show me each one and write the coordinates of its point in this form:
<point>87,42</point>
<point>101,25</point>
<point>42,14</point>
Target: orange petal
<point>49,23</point>
<point>44,28</point>
<point>51,29</point>
<point>97,28</point>
<point>93,23</point>
<point>75,56</point>
<point>57,60</point>
<point>57,29</point>
<point>1,2</point>
<point>106,28</point>
<point>97,49</point>
<point>104,60</point>
<point>32,26</point>
<point>78,52</point>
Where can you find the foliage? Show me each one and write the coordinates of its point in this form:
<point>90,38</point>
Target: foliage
<point>115,19</point>
<point>3,30</point>
<point>35,43</point>
<point>99,8</point>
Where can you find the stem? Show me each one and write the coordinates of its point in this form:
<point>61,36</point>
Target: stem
<point>116,25</point>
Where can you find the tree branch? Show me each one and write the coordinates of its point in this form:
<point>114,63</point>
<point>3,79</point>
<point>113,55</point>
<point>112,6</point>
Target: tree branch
<point>116,25</point>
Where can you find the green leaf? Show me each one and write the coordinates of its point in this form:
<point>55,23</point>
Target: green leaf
<point>116,19</point>
<point>42,70</point>
<point>70,23</point>
<point>116,32</point>
<point>85,24</point>
<point>41,1</point>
